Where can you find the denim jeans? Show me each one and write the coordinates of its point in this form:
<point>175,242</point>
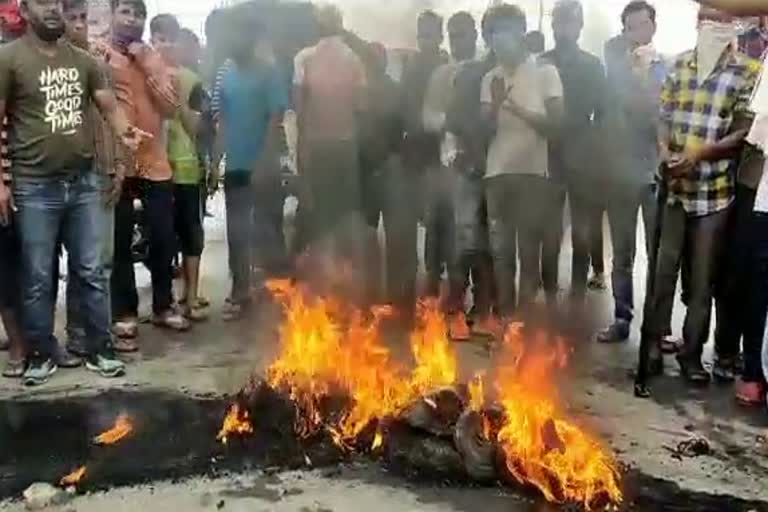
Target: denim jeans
<point>157,201</point>
<point>75,323</point>
<point>623,209</point>
<point>70,208</point>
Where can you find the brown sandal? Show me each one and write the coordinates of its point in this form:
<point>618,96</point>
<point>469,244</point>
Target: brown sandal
<point>125,346</point>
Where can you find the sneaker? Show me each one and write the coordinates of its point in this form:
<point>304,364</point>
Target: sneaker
<point>597,282</point>
<point>171,320</point>
<point>39,371</point>
<point>65,359</point>
<point>458,329</point>
<point>724,369</point>
<point>127,329</point>
<point>106,365</point>
<point>616,333</point>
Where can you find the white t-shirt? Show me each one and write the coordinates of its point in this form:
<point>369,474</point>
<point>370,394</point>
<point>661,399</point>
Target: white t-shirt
<point>517,147</point>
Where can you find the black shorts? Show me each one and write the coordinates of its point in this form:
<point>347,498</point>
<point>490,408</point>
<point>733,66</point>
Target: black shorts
<point>10,268</point>
<point>188,219</point>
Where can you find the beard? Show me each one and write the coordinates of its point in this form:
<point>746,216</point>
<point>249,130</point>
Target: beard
<point>47,33</point>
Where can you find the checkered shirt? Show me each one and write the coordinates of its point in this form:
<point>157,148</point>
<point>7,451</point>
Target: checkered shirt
<point>701,114</point>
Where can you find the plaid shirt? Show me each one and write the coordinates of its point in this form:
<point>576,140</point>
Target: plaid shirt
<point>701,114</point>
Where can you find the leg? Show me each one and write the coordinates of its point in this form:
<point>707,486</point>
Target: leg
<point>189,229</point>
<point>125,300</point>
<point>757,305</point>
<point>502,227</point>
<point>623,210</point>
<point>40,213</point>
<point>596,250</point>
<point>238,203</point>
<point>82,234</point>
<point>580,232</point>
<point>162,243</point>
<point>10,301</point>
<point>400,225</point>
<point>532,208</point>
<point>704,237</point>
<point>553,239</point>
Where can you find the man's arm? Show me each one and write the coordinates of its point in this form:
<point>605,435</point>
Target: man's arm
<point>739,7</point>
<point>161,85</point>
<point>548,123</point>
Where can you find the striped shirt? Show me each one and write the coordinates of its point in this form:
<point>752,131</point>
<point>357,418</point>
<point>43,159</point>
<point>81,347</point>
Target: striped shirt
<point>696,115</point>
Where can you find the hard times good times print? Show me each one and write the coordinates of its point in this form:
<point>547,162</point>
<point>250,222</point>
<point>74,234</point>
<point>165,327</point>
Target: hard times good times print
<point>63,92</point>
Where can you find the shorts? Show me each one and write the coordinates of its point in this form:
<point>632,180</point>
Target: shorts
<point>10,268</point>
<point>188,219</point>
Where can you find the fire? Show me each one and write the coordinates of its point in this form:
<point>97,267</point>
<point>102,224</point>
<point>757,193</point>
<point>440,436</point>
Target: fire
<point>237,422</point>
<point>123,426</point>
<point>542,447</point>
<point>74,478</point>
<point>327,348</point>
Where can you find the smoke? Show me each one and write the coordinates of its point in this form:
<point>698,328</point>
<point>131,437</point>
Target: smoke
<point>394,22</point>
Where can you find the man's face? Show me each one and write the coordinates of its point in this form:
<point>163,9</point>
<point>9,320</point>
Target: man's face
<point>189,51</point>
<point>710,14</point>
<point>508,43</point>
<point>640,28</point>
<point>128,22</point>
<point>566,26</point>
<point>463,40</point>
<point>166,45</point>
<point>76,23</point>
<point>99,20</point>
<point>430,37</point>
<point>45,18</point>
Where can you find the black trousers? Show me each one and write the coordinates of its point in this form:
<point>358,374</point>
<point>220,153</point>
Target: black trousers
<point>587,212</point>
<point>157,201</point>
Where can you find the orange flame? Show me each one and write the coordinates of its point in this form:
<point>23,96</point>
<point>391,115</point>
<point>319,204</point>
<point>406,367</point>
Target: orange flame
<point>74,478</point>
<point>237,422</point>
<point>331,349</point>
<point>326,348</point>
<point>123,426</point>
<point>542,447</point>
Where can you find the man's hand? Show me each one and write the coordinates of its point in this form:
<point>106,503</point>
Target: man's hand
<point>136,48</point>
<point>115,190</point>
<point>680,165</point>
<point>6,205</point>
<point>132,137</point>
<point>499,92</point>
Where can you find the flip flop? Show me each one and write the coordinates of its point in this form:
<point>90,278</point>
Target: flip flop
<point>14,369</point>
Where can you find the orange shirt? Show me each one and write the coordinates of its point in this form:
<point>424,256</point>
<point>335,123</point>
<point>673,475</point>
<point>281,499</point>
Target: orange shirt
<point>148,94</point>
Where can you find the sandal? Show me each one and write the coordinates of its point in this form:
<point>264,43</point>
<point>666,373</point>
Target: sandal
<point>670,345</point>
<point>126,329</point>
<point>693,371</point>
<point>200,302</point>
<point>171,320</point>
<point>125,346</point>
<point>750,394</point>
<point>14,369</point>
<point>231,312</point>
<point>197,313</point>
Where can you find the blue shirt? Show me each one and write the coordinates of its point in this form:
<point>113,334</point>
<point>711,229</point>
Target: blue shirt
<point>249,100</point>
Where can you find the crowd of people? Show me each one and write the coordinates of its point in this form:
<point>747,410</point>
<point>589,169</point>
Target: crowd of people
<point>484,150</point>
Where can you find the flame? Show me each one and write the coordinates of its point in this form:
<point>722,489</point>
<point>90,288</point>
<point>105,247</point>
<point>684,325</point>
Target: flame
<point>331,349</point>
<point>74,478</point>
<point>237,422</point>
<point>542,447</point>
<point>326,347</point>
<point>123,426</point>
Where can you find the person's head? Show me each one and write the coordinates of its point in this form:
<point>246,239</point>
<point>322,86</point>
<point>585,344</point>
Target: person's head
<point>462,36</point>
<point>330,20</point>
<point>567,22</point>
<point>639,22</point>
<point>429,32</point>
<point>164,32</point>
<point>189,49</point>
<point>245,32</point>
<point>504,27</point>
<point>712,15</point>
<point>11,22</point>
<point>535,42</point>
<point>76,22</point>
<point>44,17</point>
<point>128,20</point>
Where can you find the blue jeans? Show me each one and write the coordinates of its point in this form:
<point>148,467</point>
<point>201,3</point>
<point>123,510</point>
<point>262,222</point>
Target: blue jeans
<point>70,209</point>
